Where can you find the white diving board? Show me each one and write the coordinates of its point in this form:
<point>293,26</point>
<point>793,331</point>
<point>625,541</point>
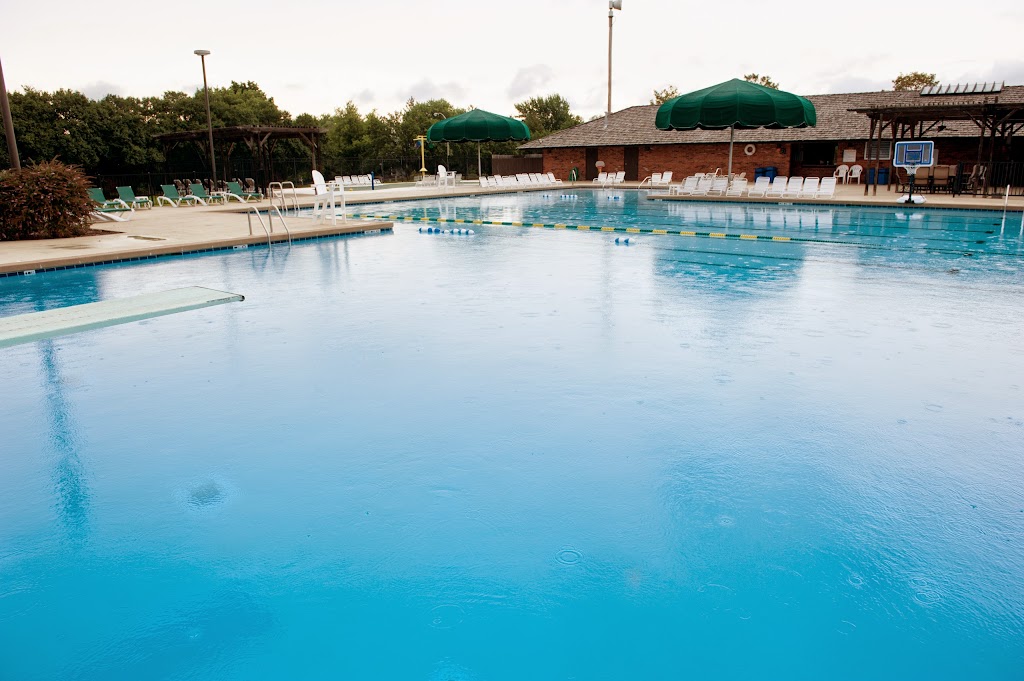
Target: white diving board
<point>26,328</point>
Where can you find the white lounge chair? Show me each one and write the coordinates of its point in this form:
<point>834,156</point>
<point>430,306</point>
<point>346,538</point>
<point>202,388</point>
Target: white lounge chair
<point>827,189</point>
<point>793,187</point>
<point>704,185</point>
<point>737,188</point>
<point>810,188</point>
<point>619,177</point>
<point>686,187</point>
<point>553,180</point>
<point>652,179</point>
<point>602,178</point>
<point>778,187</point>
<point>761,186</point>
<point>666,180</point>
<point>719,186</point>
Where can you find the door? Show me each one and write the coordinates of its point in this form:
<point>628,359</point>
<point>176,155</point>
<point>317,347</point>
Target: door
<point>631,163</point>
<point>590,172</point>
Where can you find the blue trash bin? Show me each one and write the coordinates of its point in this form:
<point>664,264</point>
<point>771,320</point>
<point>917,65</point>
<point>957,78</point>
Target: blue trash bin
<point>871,175</point>
<point>758,172</point>
<point>883,176</point>
<point>770,172</point>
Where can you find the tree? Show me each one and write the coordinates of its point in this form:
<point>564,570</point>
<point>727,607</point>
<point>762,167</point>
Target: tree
<point>915,80</point>
<point>662,96</point>
<point>766,81</point>
<point>545,115</point>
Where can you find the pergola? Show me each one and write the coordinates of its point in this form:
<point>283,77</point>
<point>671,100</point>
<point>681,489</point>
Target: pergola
<point>993,118</point>
<point>261,140</point>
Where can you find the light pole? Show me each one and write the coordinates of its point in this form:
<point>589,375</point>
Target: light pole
<point>612,5</point>
<point>5,106</point>
<point>209,119</point>
<point>447,147</point>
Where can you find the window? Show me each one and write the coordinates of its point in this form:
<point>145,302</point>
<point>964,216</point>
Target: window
<point>878,150</point>
<point>817,153</point>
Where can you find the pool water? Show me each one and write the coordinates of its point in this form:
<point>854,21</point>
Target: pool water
<point>530,453</point>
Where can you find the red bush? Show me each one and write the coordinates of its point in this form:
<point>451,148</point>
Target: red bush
<point>44,201</point>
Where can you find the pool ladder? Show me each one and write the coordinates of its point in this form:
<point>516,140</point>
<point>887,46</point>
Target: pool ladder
<point>253,210</point>
<point>281,186</point>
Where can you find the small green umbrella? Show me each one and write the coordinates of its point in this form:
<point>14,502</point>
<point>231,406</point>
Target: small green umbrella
<point>735,104</point>
<point>478,126</point>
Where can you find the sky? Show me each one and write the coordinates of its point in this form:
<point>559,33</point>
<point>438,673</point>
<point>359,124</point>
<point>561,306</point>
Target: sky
<point>314,56</point>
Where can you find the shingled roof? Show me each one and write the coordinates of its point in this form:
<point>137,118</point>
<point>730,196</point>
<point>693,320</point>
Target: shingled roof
<point>635,125</point>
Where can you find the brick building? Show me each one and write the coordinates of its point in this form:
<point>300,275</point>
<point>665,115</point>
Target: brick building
<point>633,144</point>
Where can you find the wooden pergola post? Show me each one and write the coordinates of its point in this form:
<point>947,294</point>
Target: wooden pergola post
<point>871,139</point>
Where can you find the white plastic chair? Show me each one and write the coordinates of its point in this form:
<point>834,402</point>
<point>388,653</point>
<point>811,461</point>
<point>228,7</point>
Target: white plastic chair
<point>761,186</point>
<point>793,188</point>
<point>666,179</point>
<point>842,173</point>
<point>687,186</point>
<point>778,187</point>
<point>855,173</point>
<point>738,187</point>
<point>719,186</point>
<point>827,189</point>
<point>810,188</point>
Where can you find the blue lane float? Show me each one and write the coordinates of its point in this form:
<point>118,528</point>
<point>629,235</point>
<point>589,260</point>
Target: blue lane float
<point>569,197</point>
<point>622,241</point>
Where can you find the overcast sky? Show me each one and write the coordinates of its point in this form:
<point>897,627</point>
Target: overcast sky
<point>316,55</point>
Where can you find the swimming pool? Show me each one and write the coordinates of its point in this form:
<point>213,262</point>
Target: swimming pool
<point>531,453</point>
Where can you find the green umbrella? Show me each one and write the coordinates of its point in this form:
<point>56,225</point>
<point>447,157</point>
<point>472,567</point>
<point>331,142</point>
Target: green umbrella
<point>478,126</point>
<point>735,104</point>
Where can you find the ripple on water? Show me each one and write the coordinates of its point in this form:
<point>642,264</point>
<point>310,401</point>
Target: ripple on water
<point>569,556</point>
<point>446,616</point>
<point>725,520</point>
<point>925,593</point>
<point>205,494</point>
<point>931,406</point>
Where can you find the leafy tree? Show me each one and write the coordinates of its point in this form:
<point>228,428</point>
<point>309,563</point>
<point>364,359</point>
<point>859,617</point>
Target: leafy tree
<point>242,104</point>
<point>915,80</point>
<point>761,80</point>
<point>662,96</point>
<point>545,115</point>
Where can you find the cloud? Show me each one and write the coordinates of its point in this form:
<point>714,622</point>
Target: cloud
<point>100,89</point>
<point>365,97</point>
<point>428,89</point>
<point>850,83</point>
<point>530,81</point>
<point>1012,72</point>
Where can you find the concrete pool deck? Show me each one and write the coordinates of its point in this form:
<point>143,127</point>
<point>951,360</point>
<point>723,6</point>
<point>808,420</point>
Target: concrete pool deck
<point>167,230</point>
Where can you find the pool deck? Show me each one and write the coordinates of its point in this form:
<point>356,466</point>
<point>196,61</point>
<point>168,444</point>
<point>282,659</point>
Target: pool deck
<point>167,230</point>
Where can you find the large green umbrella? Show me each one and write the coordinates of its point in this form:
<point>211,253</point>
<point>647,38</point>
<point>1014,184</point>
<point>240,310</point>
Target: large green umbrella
<point>478,126</point>
<point>735,104</point>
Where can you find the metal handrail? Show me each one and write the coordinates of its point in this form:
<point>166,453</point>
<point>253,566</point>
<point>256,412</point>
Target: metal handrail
<point>270,219</point>
<point>284,199</point>
<point>254,209</point>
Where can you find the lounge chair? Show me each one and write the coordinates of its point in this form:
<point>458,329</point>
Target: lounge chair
<point>127,194</point>
<point>175,199</point>
<point>686,187</point>
<point>827,189</point>
<point>602,178</point>
<point>103,203</point>
<point>719,186</point>
<point>737,188</point>
<point>553,180</point>
<point>704,185</point>
<point>650,179</point>
<point>235,191</point>
<point>199,191</point>
<point>793,187</point>
<point>778,187</point>
<point>618,178</point>
<point>761,186</point>
<point>842,173</point>
<point>666,180</point>
<point>810,188</point>
<point>855,173</point>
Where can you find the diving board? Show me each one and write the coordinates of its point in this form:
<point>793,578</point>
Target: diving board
<point>26,328</point>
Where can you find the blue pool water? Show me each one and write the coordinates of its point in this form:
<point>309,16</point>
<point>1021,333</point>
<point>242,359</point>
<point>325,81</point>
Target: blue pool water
<point>531,454</point>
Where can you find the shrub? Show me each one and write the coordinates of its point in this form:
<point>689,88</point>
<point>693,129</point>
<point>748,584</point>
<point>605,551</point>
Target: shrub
<point>44,201</point>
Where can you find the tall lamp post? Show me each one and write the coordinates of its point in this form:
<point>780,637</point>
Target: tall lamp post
<point>447,146</point>
<point>5,106</point>
<point>612,5</point>
<point>209,119</point>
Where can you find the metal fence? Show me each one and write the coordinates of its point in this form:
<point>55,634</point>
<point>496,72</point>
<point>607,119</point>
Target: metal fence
<point>297,170</point>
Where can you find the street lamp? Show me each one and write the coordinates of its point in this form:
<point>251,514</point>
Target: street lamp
<point>209,119</point>
<point>447,147</point>
<point>612,5</point>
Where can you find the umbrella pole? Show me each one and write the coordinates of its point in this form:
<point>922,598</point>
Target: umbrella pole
<point>479,166</point>
<point>732,131</point>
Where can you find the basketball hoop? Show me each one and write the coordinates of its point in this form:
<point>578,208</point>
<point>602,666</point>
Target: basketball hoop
<point>910,156</point>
